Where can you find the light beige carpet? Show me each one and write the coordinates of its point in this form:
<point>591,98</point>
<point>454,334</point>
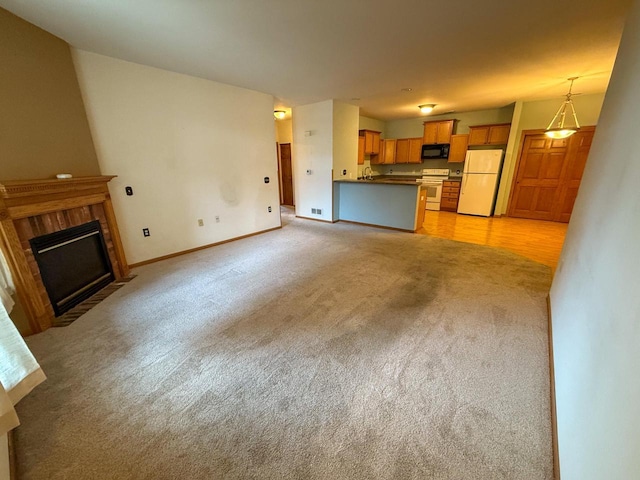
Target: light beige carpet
<point>317,351</point>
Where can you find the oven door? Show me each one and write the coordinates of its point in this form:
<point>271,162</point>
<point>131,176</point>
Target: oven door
<point>434,194</point>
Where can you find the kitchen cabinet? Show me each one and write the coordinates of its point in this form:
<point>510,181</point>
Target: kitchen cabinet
<point>387,152</point>
<point>450,195</point>
<point>458,148</point>
<point>415,150</point>
<point>371,141</point>
<point>408,150</point>
<point>402,150</point>
<point>361,150</point>
<point>437,132</point>
<point>496,134</point>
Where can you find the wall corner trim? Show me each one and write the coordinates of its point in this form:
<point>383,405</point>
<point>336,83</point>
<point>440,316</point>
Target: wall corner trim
<point>552,382</point>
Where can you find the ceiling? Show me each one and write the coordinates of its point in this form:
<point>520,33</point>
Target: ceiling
<point>460,55</point>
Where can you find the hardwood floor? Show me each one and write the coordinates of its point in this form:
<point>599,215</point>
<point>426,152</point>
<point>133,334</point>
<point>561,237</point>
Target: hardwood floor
<point>535,239</point>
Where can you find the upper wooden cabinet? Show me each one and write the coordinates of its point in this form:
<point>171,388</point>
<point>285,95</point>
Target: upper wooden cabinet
<point>360,150</point>
<point>458,149</point>
<point>387,152</point>
<point>371,141</point>
<point>402,150</point>
<point>437,132</point>
<point>408,150</point>
<point>496,134</point>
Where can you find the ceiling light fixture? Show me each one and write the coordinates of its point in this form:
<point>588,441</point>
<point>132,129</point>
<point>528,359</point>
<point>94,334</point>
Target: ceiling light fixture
<point>279,114</point>
<point>560,131</point>
<point>427,107</point>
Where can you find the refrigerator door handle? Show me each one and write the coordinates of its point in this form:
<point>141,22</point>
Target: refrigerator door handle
<point>464,183</point>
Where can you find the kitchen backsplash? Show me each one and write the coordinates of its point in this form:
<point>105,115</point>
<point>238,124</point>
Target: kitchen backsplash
<point>416,168</point>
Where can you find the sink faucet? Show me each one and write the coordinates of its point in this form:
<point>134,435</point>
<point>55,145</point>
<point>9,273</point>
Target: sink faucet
<point>364,173</point>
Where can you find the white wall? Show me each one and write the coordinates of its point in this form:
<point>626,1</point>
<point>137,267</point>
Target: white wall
<point>314,152</point>
<point>190,148</point>
<point>345,140</point>
<point>595,301</point>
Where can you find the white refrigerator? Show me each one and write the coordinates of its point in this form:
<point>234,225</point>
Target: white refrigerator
<point>479,182</point>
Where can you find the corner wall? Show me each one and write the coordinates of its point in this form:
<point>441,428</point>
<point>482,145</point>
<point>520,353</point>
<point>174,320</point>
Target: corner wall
<point>43,122</point>
<point>190,148</point>
<point>595,304</point>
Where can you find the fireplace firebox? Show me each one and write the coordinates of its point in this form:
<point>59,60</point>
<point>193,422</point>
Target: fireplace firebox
<point>74,264</point>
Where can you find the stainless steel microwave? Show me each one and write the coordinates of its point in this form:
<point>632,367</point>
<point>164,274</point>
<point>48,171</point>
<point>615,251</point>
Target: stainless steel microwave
<point>440,150</point>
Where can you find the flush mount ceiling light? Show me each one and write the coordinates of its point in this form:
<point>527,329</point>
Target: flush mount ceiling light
<point>427,107</point>
<point>279,114</point>
<point>560,131</point>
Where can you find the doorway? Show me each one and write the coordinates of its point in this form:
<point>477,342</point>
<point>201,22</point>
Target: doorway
<point>286,175</point>
<point>548,175</point>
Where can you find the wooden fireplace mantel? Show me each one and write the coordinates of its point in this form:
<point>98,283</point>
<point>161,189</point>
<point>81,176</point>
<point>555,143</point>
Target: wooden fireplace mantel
<point>46,206</point>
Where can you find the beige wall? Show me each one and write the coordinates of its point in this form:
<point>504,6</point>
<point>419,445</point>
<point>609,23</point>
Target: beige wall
<point>43,122</point>
<point>190,148</point>
<point>595,304</point>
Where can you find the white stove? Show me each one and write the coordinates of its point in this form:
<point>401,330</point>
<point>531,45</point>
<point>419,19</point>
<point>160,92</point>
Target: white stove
<point>433,178</point>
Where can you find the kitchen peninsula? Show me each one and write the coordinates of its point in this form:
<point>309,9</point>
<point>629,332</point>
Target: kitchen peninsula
<point>392,203</point>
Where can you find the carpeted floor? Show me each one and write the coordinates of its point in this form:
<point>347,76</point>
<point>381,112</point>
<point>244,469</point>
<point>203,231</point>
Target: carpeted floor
<point>317,351</point>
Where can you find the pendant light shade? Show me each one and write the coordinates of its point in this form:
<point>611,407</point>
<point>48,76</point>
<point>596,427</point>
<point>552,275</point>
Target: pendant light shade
<point>560,130</point>
<point>279,114</point>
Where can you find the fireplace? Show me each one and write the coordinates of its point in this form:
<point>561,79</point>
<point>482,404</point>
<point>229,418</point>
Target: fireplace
<point>73,263</point>
<point>75,221</point>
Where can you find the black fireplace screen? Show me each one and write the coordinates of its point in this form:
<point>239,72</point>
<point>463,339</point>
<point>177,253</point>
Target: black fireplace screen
<point>73,263</point>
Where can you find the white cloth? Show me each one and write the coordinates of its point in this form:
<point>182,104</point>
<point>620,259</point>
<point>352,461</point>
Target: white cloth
<point>19,371</point>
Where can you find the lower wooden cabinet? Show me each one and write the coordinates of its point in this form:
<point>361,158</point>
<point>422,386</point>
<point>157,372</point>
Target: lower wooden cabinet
<point>450,195</point>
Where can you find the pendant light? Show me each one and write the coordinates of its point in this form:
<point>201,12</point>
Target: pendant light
<point>279,114</point>
<point>560,131</point>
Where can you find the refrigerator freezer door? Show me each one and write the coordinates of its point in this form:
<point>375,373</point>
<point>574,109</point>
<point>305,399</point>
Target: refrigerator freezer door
<point>483,161</point>
<point>477,193</point>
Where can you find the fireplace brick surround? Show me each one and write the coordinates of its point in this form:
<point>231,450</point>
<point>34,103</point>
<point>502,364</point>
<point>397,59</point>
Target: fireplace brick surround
<point>31,208</point>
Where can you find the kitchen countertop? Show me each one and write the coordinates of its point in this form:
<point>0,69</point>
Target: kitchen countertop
<point>400,181</point>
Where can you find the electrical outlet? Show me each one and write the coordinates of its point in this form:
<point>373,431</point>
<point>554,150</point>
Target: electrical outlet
<point>128,191</point>
<point>314,210</point>
<point>319,211</point>
<point>217,218</point>
<point>344,172</point>
<point>200,222</point>
<point>145,232</point>
<point>269,208</point>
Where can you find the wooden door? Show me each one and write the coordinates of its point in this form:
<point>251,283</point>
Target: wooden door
<point>548,175</point>
<point>537,188</point>
<point>287,174</point>
<point>579,151</point>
